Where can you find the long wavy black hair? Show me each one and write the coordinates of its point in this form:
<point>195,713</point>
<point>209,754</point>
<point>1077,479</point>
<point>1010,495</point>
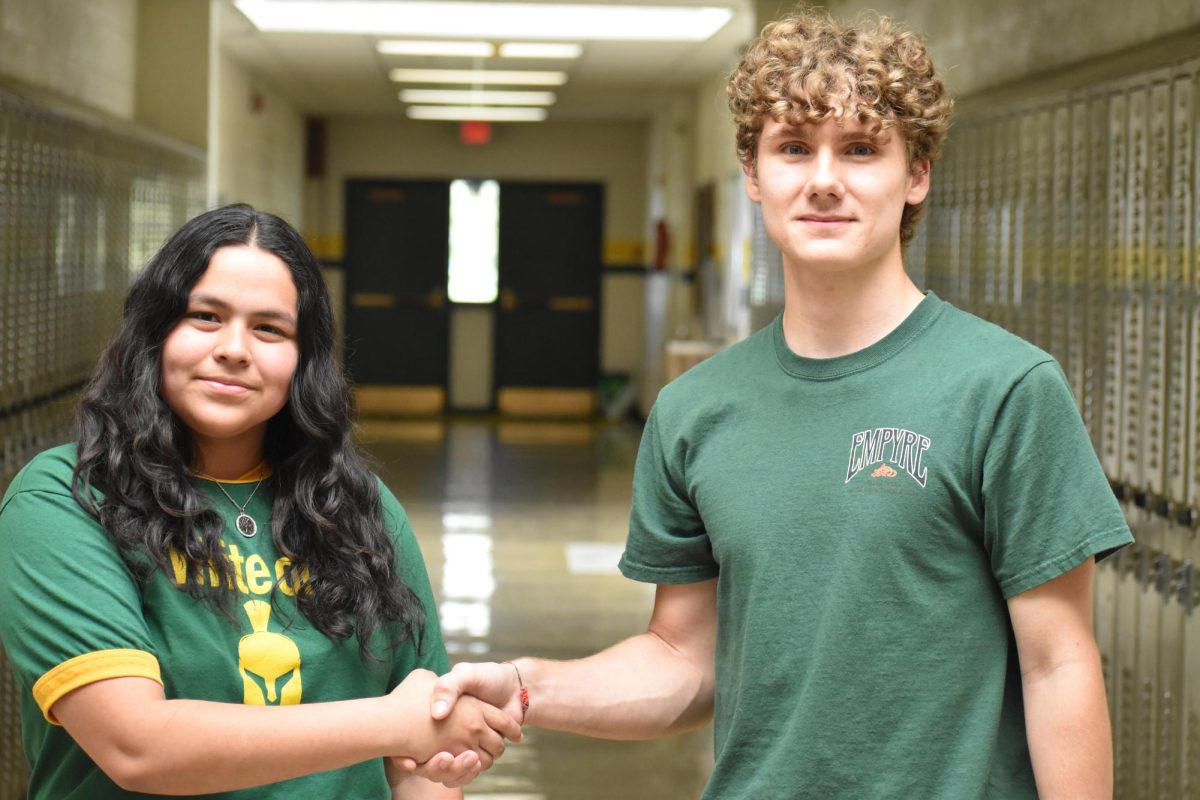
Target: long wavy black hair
<point>137,454</point>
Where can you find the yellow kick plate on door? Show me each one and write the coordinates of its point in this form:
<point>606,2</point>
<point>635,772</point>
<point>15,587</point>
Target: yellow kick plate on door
<point>546,402</point>
<point>375,399</point>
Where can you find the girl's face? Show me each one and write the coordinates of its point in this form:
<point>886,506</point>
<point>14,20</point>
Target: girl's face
<point>227,365</point>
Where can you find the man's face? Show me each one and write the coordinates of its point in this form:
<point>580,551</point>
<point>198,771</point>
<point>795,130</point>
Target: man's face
<point>832,195</point>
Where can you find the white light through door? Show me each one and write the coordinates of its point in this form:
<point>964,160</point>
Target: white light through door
<point>474,241</point>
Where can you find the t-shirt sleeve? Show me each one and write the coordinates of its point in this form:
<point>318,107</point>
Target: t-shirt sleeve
<point>70,611</point>
<point>1047,503</point>
<point>410,564</point>
<point>668,542</point>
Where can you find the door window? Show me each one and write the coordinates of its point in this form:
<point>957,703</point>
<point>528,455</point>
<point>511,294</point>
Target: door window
<point>474,241</point>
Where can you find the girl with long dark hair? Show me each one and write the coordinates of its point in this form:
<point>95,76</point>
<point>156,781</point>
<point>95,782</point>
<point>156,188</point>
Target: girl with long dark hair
<point>210,592</point>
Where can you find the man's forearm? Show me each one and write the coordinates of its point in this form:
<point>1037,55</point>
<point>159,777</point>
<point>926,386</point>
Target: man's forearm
<point>1070,738</point>
<point>638,689</point>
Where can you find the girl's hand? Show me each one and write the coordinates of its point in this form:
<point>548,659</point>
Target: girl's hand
<point>471,724</point>
<point>444,768</point>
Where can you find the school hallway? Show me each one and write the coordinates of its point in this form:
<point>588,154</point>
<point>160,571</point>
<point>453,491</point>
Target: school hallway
<point>521,524</point>
<point>511,293</point>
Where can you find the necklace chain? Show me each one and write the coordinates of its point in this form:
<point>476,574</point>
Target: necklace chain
<point>244,523</point>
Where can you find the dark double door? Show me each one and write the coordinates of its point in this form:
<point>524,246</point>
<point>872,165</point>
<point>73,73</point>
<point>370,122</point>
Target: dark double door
<point>546,334</point>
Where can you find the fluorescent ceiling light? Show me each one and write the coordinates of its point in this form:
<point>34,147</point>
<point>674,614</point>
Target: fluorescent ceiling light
<point>498,20</point>
<point>477,97</point>
<point>397,47</point>
<point>480,76</point>
<point>481,113</point>
<point>539,50</point>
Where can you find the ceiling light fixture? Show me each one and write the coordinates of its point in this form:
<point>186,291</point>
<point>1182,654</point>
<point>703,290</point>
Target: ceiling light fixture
<point>477,97</point>
<point>477,113</point>
<point>479,76</point>
<point>498,20</point>
<point>539,50</point>
<point>398,47</point>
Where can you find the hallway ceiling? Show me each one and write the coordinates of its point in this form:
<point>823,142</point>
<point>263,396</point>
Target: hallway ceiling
<point>343,75</point>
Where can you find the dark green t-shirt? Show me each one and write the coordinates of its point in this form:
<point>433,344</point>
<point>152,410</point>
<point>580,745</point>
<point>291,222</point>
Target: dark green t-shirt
<point>71,614</point>
<point>866,518</point>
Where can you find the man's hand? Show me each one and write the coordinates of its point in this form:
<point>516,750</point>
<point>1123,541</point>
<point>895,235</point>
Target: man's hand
<point>492,683</point>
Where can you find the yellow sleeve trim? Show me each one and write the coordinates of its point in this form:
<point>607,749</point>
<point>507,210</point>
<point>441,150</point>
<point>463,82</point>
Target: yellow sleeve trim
<point>89,668</point>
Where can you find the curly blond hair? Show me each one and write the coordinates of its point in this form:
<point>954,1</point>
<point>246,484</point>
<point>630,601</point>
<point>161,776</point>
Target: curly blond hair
<point>808,66</point>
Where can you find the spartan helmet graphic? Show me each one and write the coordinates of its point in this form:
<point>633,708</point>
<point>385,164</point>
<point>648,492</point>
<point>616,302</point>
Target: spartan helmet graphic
<point>267,657</point>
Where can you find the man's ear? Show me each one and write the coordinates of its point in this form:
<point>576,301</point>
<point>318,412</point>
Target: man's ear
<point>918,186</point>
<point>751,170</point>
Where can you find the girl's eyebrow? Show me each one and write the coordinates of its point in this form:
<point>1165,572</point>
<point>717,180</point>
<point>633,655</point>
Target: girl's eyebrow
<point>268,313</point>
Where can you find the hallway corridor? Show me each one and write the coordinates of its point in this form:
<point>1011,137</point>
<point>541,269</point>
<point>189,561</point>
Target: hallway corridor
<point>522,524</point>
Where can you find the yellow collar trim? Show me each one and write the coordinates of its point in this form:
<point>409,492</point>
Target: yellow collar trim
<point>256,474</point>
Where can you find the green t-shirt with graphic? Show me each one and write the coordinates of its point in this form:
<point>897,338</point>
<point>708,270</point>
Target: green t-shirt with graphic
<point>71,614</point>
<point>866,518</point>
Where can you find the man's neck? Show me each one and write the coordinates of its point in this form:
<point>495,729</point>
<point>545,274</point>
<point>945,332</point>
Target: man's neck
<point>827,315</point>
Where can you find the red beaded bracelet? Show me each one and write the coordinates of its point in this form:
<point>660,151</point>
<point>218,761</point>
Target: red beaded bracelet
<point>524,691</point>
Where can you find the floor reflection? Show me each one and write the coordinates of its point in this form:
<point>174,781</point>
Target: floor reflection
<point>521,525</point>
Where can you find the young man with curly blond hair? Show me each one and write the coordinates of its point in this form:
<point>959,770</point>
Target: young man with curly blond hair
<point>873,523</point>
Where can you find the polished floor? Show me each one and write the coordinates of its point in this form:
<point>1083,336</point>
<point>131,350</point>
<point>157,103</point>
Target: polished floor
<point>521,524</point>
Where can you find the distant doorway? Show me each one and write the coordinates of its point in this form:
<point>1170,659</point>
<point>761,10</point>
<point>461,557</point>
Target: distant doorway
<point>473,295</point>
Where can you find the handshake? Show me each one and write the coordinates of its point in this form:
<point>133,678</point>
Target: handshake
<point>468,714</point>
<point>653,684</point>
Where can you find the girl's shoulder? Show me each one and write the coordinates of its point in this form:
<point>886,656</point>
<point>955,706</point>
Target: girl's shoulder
<point>49,471</point>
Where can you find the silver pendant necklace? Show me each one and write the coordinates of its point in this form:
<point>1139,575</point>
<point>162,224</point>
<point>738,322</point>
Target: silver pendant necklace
<point>244,523</point>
